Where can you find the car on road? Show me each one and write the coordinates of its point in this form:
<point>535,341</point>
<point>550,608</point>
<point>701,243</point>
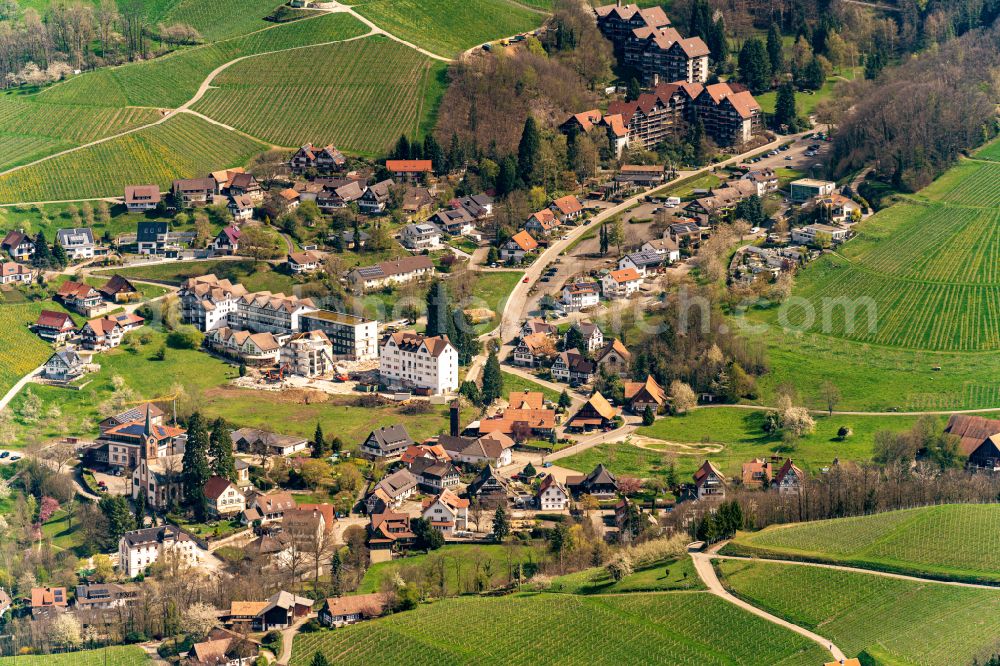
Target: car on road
<point>526,279</point>
<point>788,158</point>
<point>4,454</point>
<point>15,458</point>
<point>545,279</point>
<point>546,464</point>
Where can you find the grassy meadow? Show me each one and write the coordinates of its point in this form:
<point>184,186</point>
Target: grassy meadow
<point>131,655</point>
<point>947,541</point>
<point>670,628</point>
<point>661,577</point>
<point>382,89</point>
<point>895,621</point>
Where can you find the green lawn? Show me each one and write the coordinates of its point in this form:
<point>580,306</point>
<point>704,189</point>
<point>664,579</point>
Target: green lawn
<point>384,89</point>
<point>669,628</point>
<point>255,276</point>
<point>447,27</point>
<point>461,562</point>
<point>518,383</point>
<point>741,434</point>
<point>990,151</point>
<point>62,536</point>
<point>904,622</point>
<point>805,103</point>
<point>490,290</point>
<point>685,188</point>
<point>131,655</point>
<point>950,541</point>
<point>661,577</point>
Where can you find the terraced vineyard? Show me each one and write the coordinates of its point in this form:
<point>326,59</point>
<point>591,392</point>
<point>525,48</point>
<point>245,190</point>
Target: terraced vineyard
<point>22,351</point>
<point>182,147</point>
<point>381,89</point>
<point>967,184</point>
<point>74,124</point>
<point>172,80</point>
<point>959,541</point>
<point>16,149</point>
<point>674,628</point>
<point>897,621</point>
<point>112,656</point>
<point>448,27</point>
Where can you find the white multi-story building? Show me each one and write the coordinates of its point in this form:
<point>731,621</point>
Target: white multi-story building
<point>580,295</point>
<point>413,361</point>
<point>551,496</point>
<point>353,337</point>
<point>207,302</point>
<point>447,512</point>
<point>264,312</point>
<point>140,548</point>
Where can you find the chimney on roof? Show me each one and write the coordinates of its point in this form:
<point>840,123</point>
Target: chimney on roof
<point>453,417</point>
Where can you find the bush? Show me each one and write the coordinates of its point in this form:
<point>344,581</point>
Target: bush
<point>185,337</point>
<point>311,626</point>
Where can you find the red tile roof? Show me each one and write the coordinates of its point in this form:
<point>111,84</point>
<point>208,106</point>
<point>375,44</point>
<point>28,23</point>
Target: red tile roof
<point>409,166</point>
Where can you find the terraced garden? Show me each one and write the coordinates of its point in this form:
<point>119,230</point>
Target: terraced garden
<point>960,541</point>
<point>894,621</point>
<point>675,628</point>
<point>448,27</point>
<point>381,89</point>
<point>182,147</point>
<point>113,656</point>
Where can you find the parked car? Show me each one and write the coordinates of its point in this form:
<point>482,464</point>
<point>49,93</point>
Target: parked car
<point>4,454</point>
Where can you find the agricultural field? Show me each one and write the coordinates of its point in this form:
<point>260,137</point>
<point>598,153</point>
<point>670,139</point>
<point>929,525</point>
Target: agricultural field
<point>448,27</point>
<point>22,350</point>
<point>131,655</point>
<point>730,436</point>
<point>676,628</point>
<point>218,20</point>
<point>895,621</point>
<point>382,89</point>
<point>661,577</point>
<point>181,147</point>
<point>32,116</point>
<point>913,296</point>
<point>18,149</point>
<point>949,541</point>
<point>172,80</point>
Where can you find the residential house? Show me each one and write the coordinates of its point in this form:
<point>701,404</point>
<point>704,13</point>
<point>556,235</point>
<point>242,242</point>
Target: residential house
<point>194,192</point>
<point>572,367</point>
<point>614,358</point>
<point>417,202</point>
<point>447,513</point>
<point>341,196</point>
<point>141,413</point>
<point>536,325</point>
<point>228,241</point>
<point>593,338</point>
<point>688,230</point>
<point>667,247</point>
<point>267,507</point>
<point>101,334</point>
<point>18,245</point>
<point>341,611</point>
<point>410,170</point>
<point>804,189</point>
<point>140,548</point>
<point>517,246</point>
<point>280,611</point>
<point>241,207</point>
<point>102,596</point>
<point>12,272</point>
<point>533,350</point>
<point>389,531</point>
<point>597,412</point>
<point>644,175</point>
<point>308,354</point>
<point>245,185</point>
<point>290,197</point>
<point>600,483</point>
<point>490,488</point>
<point>765,180</point>
<point>347,235</point>
<point>433,476</point>
<point>434,452</point>
<point>375,198</point>
<point>234,650</point>
<point>153,238</point>
<point>350,336</point>
<point>491,448</point>
<point>307,528</point>
<point>253,349</point>
<point>54,326</point>
<point>455,222</point>
<point>645,263</point>
<point>819,234</point>
<point>621,283</point>
<point>253,440</point>
<point>757,473</point>
<point>224,497</point>
<point>413,361</point>
<point>518,423</point>
<point>978,440</point>
<point>709,481</point>
<point>567,208</point>
<point>789,478</point>
<point>578,296</point>
<point>224,177</point>
<point>386,443</point>
<point>78,243</point>
<point>479,206</point>
<point>79,297</point>
<point>640,395</point>
<point>420,236</point>
<point>551,495</point>
<point>5,602</point>
<point>391,492</point>
<point>119,289</point>
<point>63,366</point>
<point>208,302</point>
<point>46,601</point>
<point>542,223</point>
<point>390,273</point>
<point>839,209</point>
<point>324,160</point>
<point>303,262</point>
<point>140,198</point>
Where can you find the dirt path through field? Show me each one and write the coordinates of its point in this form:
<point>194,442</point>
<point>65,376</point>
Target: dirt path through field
<point>643,442</point>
